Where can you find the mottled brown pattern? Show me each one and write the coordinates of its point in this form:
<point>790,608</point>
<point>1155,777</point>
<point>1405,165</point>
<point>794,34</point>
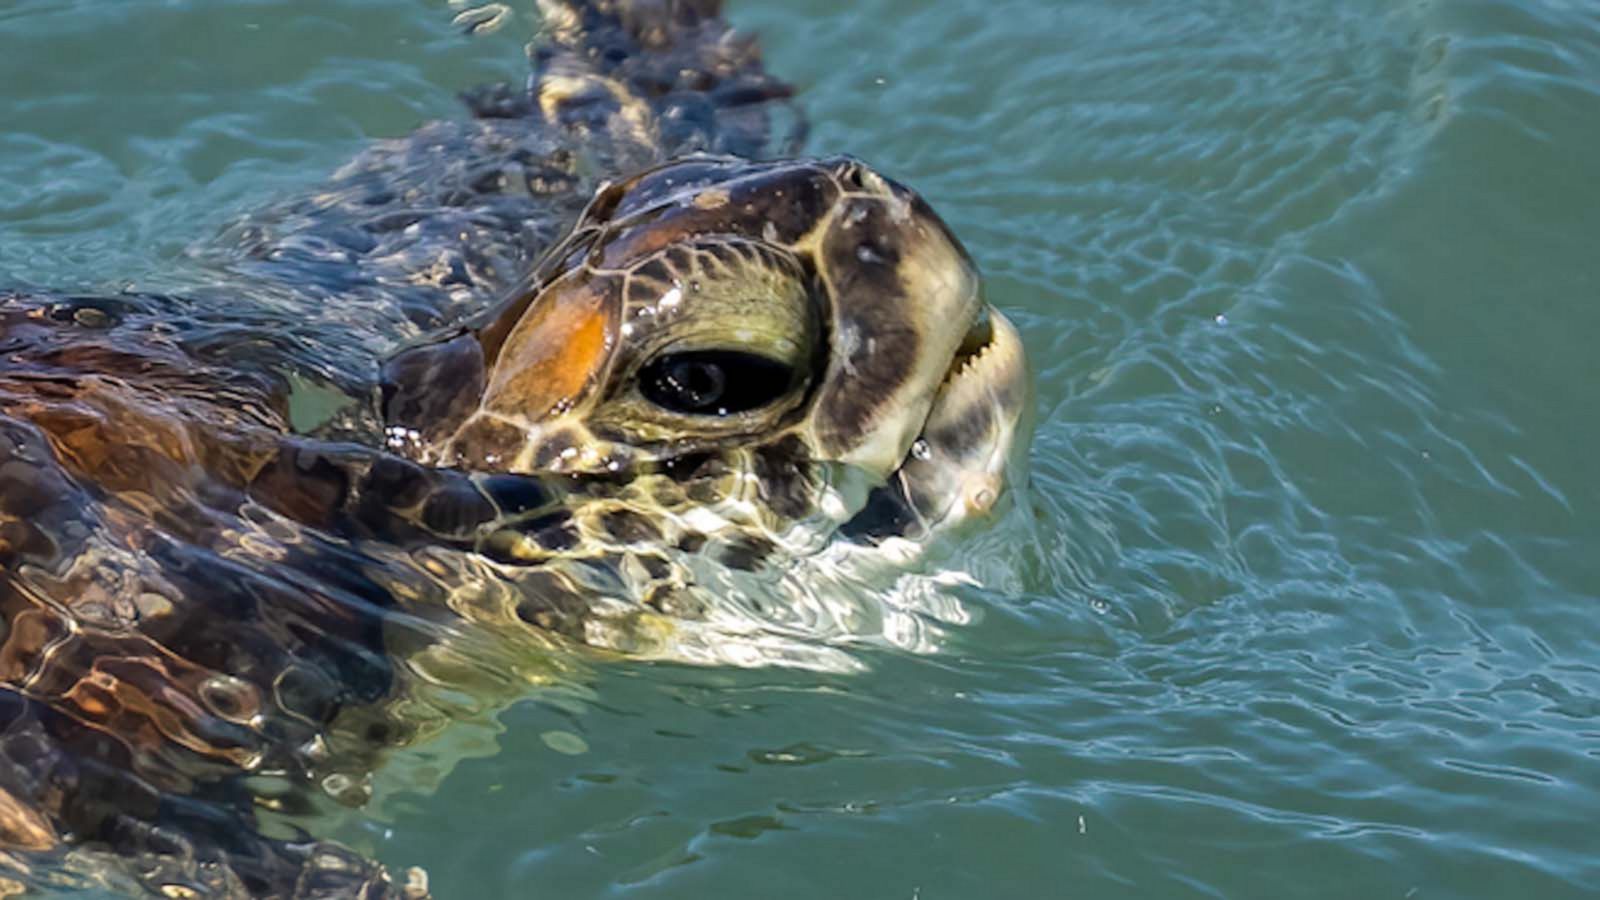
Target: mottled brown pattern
<point>181,602</point>
<point>532,445</point>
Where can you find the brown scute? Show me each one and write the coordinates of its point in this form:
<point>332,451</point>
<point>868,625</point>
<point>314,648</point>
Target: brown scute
<point>556,350</point>
<point>870,303</point>
<point>554,531</point>
<point>792,200</point>
<point>138,443</point>
<point>653,187</point>
<point>146,698</point>
<point>397,483</point>
<point>515,494</point>
<point>455,509</point>
<point>487,444</point>
<point>648,283</point>
<point>302,484</point>
<point>433,387</point>
<point>630,527</point>
<point>874,251</point>
<point>548,454</point>
<point>783,203</point>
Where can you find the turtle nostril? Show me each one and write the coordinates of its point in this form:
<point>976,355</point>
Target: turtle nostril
<point>856,177</point>
<point>850,175</point>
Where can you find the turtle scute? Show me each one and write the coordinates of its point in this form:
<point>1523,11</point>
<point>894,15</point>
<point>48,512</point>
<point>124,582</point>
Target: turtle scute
<point>598,379</point>
<point>197,602</point>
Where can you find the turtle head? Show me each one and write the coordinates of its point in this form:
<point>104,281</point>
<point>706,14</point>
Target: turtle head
<point>797,348</point>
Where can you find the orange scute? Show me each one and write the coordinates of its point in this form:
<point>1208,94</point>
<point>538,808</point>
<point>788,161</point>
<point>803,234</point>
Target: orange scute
<point>554,352</point>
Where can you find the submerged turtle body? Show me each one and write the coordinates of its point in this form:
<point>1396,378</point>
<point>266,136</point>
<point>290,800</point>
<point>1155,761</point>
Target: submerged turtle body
<point>603,381</point>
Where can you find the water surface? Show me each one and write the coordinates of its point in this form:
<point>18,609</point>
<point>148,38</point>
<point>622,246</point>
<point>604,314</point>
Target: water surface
<point>1304,601</point>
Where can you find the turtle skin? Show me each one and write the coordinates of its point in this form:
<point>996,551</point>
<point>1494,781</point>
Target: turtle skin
<point>196,591</point>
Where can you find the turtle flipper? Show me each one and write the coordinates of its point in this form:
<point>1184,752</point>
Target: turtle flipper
<point>75,814</point>
<point>144,679</point>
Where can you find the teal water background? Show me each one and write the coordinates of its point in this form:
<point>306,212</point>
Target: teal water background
<point>1308,603</point>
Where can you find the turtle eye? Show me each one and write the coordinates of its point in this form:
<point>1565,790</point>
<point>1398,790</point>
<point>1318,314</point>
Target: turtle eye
<point>714,382</point>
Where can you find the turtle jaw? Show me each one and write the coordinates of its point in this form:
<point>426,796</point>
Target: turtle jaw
<point>975,437</point>
<point>972,447</point>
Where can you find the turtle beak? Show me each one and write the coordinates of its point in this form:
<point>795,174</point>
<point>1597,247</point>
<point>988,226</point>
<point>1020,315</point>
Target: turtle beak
<point>975,436</point>
<point>972,447</point>
<point>904,293</point>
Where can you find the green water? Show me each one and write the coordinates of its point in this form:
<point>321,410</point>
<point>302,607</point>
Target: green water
<point>1307,603</point>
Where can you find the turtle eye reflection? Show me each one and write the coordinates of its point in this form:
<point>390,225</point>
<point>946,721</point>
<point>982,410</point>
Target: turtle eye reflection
<point>714,382</point>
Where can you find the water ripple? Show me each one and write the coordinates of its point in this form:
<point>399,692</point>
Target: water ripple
<point>1303,593</point>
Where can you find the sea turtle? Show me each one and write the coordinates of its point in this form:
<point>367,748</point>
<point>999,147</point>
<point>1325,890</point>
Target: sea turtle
<point>597,377</point>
